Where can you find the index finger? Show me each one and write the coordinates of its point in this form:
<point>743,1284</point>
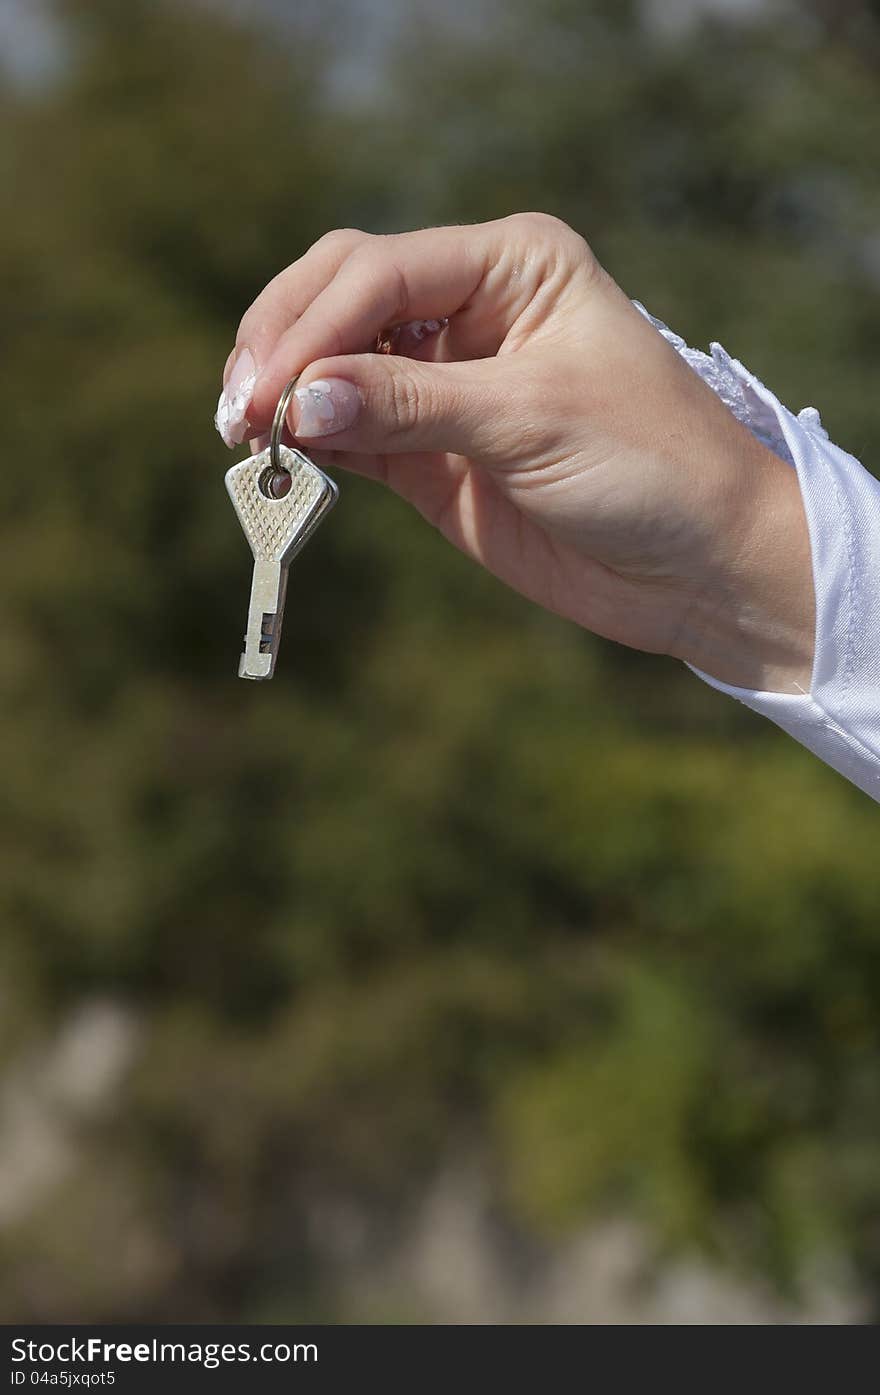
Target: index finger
<point>287,295</point>
<point>484,273</point>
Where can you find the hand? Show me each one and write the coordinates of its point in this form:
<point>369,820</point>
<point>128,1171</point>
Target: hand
<point>545,427</point>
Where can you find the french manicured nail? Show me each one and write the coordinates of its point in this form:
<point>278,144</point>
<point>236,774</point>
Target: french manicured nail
<point>420,329</point>
<point>231,416</point>
<point>415,332</point>
<point>325,406</point>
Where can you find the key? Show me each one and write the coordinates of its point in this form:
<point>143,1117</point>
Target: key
<point>280,497</point>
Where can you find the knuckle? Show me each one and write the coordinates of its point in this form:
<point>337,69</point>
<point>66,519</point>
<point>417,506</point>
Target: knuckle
<point>371,257</point>
<point>365,263</point>
<point>377,261</point>
<point>406,403</point>
<point>342,239</point>
<point>365,253</point>
<point>542,224</point>
<point>337,245</point>
<point>548,228</point>
<point>566,248</point>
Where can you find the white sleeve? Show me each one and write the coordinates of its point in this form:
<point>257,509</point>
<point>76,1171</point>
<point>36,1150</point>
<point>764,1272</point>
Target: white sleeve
<point>839,719</point>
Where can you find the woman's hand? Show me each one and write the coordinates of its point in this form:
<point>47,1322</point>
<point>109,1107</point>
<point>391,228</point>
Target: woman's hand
<point>545,427</point>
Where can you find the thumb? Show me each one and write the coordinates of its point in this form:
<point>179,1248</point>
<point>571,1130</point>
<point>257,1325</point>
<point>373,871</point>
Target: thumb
<point>367,403</point>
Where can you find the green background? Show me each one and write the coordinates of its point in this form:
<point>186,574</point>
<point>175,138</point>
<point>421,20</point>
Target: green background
<point>464,887</point>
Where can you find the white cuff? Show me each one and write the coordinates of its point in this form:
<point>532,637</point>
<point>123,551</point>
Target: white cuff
<point>839,719</point>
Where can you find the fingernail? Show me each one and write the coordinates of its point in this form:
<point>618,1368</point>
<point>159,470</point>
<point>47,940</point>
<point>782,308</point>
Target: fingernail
<point>420,329</point>
<point>231,416</point>
<point>416,331</point>
<point>325,406</point>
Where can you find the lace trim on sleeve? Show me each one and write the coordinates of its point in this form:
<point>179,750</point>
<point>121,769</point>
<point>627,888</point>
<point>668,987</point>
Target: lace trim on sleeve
<point>734,384</point>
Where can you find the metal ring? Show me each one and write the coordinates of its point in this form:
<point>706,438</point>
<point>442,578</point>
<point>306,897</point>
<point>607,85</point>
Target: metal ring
<point>278,426</point>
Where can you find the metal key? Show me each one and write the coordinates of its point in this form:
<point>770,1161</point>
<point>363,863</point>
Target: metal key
<point>278,518</point>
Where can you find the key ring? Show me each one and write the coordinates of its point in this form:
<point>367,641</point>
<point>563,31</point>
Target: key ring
<point>278,427</point>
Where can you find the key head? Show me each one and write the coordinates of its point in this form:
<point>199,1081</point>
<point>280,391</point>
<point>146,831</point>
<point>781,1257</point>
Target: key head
<point>277,527</point>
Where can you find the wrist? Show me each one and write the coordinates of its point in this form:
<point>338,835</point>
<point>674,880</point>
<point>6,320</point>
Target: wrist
<point>752,624</point>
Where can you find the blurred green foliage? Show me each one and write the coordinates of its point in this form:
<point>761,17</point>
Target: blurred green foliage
<point>462,875</point>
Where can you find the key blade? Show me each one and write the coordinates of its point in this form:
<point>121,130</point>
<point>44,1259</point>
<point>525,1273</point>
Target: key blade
<point>265,613</point>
